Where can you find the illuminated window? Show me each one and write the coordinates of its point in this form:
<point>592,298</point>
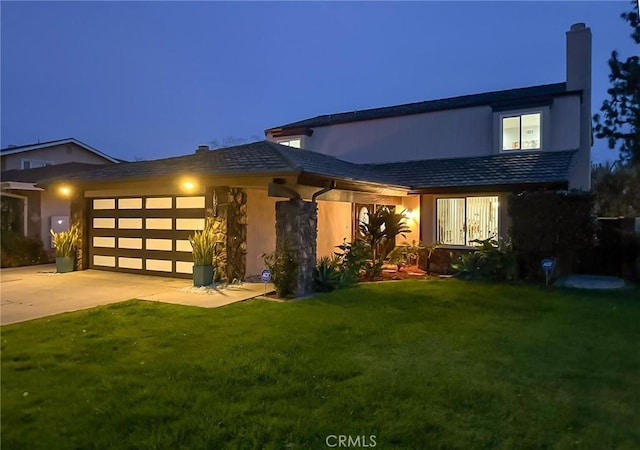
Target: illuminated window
<point>521,132</point>
<point>291,142</point>
<point>462,220</point>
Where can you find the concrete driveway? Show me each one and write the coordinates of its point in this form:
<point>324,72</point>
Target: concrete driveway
<point>37,291</point>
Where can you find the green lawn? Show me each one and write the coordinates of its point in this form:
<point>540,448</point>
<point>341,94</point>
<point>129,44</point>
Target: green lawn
<point>417,364</point>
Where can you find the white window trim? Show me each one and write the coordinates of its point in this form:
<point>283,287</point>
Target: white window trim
<point>520,113</point>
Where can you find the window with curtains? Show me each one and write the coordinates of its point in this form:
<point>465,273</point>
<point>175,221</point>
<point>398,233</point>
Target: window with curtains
<point>461,220</point>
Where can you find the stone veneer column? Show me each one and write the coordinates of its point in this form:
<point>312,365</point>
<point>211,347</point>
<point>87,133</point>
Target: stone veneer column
<point>297,230</point>
<point>227,210</point>
<point>236,234</point>
<point>79,217</point>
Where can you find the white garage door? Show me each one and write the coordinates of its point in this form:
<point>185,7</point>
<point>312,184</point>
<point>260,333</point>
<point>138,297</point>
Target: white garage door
<point>144,234</point>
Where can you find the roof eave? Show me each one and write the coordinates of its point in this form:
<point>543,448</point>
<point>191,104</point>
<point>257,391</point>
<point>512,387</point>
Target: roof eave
<point>27,148</point>
<point>495,187</point>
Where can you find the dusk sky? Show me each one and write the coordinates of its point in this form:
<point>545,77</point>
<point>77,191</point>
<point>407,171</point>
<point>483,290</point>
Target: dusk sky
<point>156,79</point>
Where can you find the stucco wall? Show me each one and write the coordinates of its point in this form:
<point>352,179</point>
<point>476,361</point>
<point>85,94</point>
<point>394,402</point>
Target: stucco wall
<point>50,205</point>
<point>411,203</point>
<point>261,228</point>
<point>463,132</point>
<point>419,136</point>
<point>565,128</point>
<point>334,225</point>
<point>428,218</point>
<point>57,154</point>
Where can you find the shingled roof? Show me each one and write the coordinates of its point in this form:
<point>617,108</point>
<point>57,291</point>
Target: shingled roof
<point>497,99</point>
<point>257,158</point>
<point>42,173</point>
<point>270,159</point>
<point>496,170</point>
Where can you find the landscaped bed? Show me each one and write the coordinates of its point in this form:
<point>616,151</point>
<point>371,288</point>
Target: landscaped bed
<point>416,364</point>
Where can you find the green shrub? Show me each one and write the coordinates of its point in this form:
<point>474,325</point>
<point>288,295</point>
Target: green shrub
<point>489,262</point>
<point>283,266</point>
<point>18,250</point>
<point>406,254</point>
<point>355,259</point>
<point>326,275</point>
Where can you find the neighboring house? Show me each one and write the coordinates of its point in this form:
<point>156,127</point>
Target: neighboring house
<point>27,208</point>
<point>465,155</point>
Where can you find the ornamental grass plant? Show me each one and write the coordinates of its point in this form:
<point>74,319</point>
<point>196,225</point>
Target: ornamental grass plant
<point>205,247</point>
<point>66,242</point>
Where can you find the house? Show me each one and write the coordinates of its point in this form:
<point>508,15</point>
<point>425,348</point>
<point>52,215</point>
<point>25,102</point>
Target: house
<point>464,155</point>
<point>449,164</point>
<point>27,208</point>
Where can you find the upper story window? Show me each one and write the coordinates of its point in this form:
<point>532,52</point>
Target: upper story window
<point>291,142</point>
<point>33,163</point>
<point>522,132</point>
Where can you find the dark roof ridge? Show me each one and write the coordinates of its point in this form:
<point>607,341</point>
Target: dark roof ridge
<point>414,107</point>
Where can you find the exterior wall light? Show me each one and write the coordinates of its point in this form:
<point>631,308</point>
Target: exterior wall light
<point>412,214</point>
<point>65,190</point>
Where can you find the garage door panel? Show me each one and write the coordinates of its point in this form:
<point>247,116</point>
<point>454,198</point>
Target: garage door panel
<point>104,242</point>
<point>134,243</point>
<point>104,203</point>
<point>104,223</point>
<point>145,235</point>
<point>130,263</point>
<point>130,203</point>
<point>190,202</point>
<point>158,265</point>
<point>157,203</point>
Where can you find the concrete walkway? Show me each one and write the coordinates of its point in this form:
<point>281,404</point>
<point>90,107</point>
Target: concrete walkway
<point>590,282</point>
<point>37,291</point>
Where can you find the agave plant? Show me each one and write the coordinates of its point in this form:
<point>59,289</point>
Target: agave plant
<point>66,242</point>
<point>205,247</point>
<point>326,275</point>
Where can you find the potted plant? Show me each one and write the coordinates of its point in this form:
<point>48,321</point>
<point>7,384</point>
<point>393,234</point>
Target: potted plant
<point>205,252</point>
<point>66,243</point>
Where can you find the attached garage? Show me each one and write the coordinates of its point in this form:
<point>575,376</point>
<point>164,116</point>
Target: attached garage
<point>137,217</point>
<point>144,234</point>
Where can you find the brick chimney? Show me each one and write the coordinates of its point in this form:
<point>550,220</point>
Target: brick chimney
<point>202,149</point>
<point>579,78</point>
